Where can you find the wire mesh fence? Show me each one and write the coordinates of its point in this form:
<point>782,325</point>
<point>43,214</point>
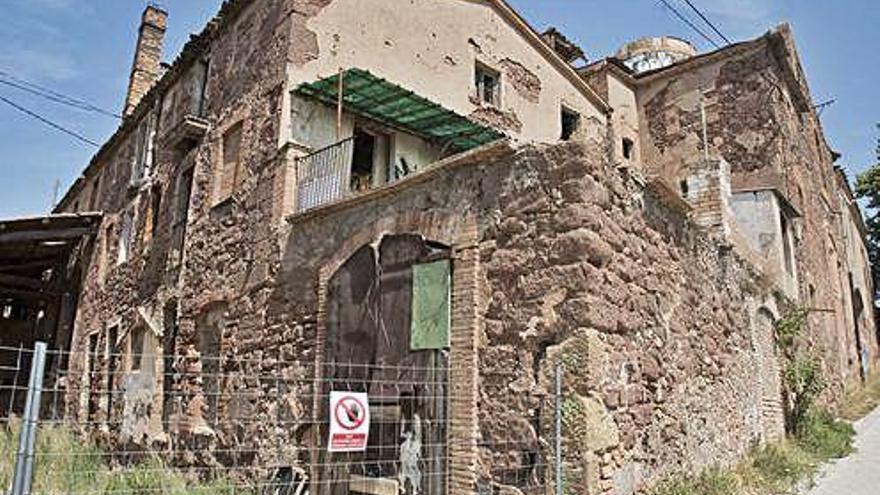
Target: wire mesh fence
<point>136,422</point>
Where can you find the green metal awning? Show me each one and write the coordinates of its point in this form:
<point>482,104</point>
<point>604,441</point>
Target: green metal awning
<point>385,102</point>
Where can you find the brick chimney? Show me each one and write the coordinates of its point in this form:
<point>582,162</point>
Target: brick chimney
<point>145,69</point>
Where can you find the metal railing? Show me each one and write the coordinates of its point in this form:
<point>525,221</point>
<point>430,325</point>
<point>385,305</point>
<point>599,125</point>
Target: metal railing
<point>323,176</point>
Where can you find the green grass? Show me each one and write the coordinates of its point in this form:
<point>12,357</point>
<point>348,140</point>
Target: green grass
<point>65,464</point>
<point>774,468</point>
<point>861,400</point>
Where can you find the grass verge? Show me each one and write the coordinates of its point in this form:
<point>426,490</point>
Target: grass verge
<point>774,468</point>
<point>862,399</point>
<point>64,464</point>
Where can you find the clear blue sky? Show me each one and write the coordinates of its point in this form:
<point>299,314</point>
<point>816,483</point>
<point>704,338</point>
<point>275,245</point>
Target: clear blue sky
<point>84,47</point>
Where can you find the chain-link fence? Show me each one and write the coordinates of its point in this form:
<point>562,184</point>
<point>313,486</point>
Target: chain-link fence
<point>107,421</point>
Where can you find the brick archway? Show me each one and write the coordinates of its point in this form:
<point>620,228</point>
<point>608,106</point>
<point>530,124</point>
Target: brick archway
<point>460,233</point>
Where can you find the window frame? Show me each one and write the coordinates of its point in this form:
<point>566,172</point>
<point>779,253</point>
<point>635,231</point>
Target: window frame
<point>481,72</point>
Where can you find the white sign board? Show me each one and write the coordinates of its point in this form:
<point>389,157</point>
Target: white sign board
<point>349,422</point>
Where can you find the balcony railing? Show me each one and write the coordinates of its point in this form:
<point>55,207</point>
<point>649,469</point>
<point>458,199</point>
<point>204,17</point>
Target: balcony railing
<point>324,176</point>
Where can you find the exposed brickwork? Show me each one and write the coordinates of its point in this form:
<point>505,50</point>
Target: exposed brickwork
<point>560,257</point>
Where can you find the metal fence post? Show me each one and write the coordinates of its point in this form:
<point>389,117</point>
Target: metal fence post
<point>24,463</point>
<point>558,436</point>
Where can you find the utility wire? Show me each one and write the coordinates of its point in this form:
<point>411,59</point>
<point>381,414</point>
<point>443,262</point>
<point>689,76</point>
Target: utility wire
<point>707,21</point>
<point>50,123</point>
<point>687,21</point>
<point>55,96</point>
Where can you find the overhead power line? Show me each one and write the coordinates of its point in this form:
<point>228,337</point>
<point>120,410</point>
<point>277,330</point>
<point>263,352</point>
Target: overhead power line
<point>690,24</point>
<point>707,21</point>
<point>16,82</point>
<point>49,123</point>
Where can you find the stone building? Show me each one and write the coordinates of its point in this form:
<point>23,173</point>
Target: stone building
<point>495,213</point>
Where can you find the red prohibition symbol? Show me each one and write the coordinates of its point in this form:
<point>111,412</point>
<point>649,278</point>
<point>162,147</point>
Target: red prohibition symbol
<point>350,413</point>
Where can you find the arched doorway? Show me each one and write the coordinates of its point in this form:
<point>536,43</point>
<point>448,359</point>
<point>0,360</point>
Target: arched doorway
<point>858,308</point>
<point>387,335</point>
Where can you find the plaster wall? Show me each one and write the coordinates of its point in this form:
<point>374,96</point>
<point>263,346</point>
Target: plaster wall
<point>758,218</point>
<point>431,47</point>
<point>625,120</point>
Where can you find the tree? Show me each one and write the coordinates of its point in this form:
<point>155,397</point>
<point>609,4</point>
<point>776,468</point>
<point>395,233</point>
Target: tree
<point>868,188</point>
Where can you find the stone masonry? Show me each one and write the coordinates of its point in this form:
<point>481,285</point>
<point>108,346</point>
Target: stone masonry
<point>579,255</point>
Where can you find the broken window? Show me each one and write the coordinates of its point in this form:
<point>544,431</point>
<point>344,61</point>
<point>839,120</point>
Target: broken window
<point>571,121</point>
<point>627,145</point>
<point>387,323</point>
<point>198,87</point>
<point>126,237</point>
<point>138,335</point>
<point>155,209</point>
<point>788,256</point>
<point>211,324</point>
<point>94,195</point>
<point>488,85</point>
<point>232,173</point>
<point>142,161</point>
<point>92,358</point>
<point>181,210</point>
<point>113,357</point>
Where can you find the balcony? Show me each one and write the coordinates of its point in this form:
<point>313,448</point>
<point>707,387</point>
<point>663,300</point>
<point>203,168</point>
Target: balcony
<point>188,132</point>
<point>324,176</point>
<point>386,131</point>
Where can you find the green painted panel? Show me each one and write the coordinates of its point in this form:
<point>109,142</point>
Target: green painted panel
<point>430,306</point>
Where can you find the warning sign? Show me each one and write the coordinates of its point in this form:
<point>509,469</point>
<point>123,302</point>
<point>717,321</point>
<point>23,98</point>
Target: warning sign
<point>349,422</point>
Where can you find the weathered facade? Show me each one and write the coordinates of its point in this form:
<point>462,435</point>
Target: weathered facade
<point>600,221</point>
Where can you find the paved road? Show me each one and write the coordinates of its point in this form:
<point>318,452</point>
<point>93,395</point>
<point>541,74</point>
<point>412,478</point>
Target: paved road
<point>858,474</point>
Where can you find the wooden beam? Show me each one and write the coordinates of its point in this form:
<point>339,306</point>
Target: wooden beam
<point>15,281</point>
<point>17,267</point>
<point>28,294</point>
<point>46,235</point>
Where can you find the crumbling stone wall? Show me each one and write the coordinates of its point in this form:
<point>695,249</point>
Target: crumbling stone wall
<point>581,267</point>
<point>756,119</point>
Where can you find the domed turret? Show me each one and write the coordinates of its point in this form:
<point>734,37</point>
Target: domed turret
<point>648,54</point>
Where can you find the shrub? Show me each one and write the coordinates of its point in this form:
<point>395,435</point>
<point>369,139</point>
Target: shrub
<point>803,384</point>
<point>712,482</point>
<point>824,436</point>
<point>777,467</point>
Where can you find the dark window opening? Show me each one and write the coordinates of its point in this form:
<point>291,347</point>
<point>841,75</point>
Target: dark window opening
<point>155,208</point>
<point>210,341</point>
<point>201,87</point>
<point>571,121</point>
<point>362,160</point>
<point>488,84</point>
<point>181,211</point>
<point>113,357</point>
<point>685,190</point>
<point>93,197</point>
<point>786,244</point>
<point>169,355</point>
<point>137,347</point>
<point>93,368</point>
<point>628,146</point>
